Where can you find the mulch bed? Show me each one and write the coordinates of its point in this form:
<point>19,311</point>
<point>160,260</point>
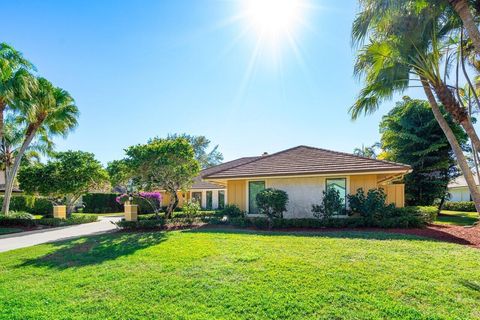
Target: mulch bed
<point>469,236</point>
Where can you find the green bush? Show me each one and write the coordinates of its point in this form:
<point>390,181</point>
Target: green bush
<point>465,206</point>
<point>144,224</point>
<point>20,215</point>
<point>30,204</point>
<point>373,207</point>
<point>272,202</point>
<point>191,208</point>
<point>232,211</point>
<point>13,222</point>
<point>101,203</point>
<point>43,207</point>
<point>331,204</point>
<point>74,219</point>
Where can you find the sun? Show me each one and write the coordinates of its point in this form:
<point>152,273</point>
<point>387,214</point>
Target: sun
<point>273,20</point>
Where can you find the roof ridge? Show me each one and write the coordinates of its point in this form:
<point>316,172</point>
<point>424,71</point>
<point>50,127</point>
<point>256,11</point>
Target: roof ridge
<point>220,170</point>
<point>354,155</point>
<point>254,160</point>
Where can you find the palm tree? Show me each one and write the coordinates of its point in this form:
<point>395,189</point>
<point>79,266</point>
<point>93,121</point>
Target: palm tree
<point>50,112</point>
<point>368,152</point>
<point>15,79</point>
<point>462,8</point>
<point>405,41</point>
<point>12,140</point>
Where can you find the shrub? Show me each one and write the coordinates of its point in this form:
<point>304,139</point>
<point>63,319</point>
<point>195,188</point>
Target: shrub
<point>101,203</point>
<point>331,204</point>
<point>74,219</point>
<point>372,206</point>
<point>30,204</point>
<point>144,224</point>
<point>465,206</point>
<point>191,208</point>
<point>272,203</point>
<point>232,211</point>
<point>43,207</point>
<point>11,222</point>
<point>20,215</point>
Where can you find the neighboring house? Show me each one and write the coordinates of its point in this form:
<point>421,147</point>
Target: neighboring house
<point>458,189</point>
<point>209,195</point>
<point>2,184</point>
<point>304,173</point>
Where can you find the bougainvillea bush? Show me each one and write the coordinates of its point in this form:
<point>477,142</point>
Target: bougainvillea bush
<point>148,201</point>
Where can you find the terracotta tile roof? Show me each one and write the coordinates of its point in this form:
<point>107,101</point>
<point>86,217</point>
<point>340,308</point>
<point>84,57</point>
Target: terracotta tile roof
<point>199,183</point>
<point>304,160</point>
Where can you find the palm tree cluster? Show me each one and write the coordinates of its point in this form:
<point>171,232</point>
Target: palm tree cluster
<point>425,44</point>
<point>32,112</point>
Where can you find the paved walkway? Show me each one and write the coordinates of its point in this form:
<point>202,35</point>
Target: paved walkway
<point>31,238</point>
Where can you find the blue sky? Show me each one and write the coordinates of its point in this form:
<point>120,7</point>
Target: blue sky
<point>140,69</point>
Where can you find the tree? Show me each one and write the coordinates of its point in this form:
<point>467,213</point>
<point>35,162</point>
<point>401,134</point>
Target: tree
<point>411,135</point>
<point>200,146</point>
<point>272,203</point>
<point>367,152</point>
<point>164,164</point>
<point>462,8</point>
<point>49,112</point>
<point>120,174</point>
<point>12,141</point>
<point>410,38</point>
<point>16,82</point>
<point>65,178</point>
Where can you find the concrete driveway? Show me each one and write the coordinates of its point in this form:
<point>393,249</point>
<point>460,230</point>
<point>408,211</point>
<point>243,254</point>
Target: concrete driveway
<point>31,238</point>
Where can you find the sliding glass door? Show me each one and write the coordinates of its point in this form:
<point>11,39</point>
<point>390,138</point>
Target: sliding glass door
<point>254,188</point>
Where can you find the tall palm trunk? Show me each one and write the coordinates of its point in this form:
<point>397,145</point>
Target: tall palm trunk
<point>3,106</point>
<point>462,9</point>
<point>457,150</point>
<point>458,113</point>
<point>13,172</point>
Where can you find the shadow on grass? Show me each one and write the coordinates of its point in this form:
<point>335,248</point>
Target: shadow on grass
<point>426,234</point>
<point>95,250</point>
<point>471,285</point>
<point>457,220</point>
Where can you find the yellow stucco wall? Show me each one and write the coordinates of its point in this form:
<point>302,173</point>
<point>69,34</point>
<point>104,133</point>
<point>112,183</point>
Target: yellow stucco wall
<point>236,193</point>
<point>237,189</point>
<point>181,198</point>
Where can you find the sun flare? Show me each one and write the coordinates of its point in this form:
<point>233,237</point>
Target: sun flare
<point>274,19</point>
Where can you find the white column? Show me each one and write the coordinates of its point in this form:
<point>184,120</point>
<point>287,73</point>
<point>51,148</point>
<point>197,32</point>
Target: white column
<point>204,199</point>
<point>214,199</point>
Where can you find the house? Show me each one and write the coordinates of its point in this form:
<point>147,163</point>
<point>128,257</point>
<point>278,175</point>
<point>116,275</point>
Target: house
<point>458,189</point>
<point>304,173</point>
<point>209,195</point>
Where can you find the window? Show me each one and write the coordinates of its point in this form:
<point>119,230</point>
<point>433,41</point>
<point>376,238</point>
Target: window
<point>197,197</point>
<point>339,184</point>
<point>209,196</point>
<point>254,188</point>
<point>221,199</point>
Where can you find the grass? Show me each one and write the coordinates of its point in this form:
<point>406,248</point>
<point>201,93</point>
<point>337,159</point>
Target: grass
<point>9,230</point>
<point>457,218</point>
<point>241,275</point>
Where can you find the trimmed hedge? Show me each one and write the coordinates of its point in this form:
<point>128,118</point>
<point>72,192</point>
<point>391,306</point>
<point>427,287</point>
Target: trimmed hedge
<point>52,222</point>
<point>30,204</point>
<point>101,203</point>
<point>465,206</point>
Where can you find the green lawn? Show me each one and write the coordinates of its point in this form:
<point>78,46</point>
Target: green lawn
<point>9,230</point>
<point>241,275</point>
<point>457,218</point>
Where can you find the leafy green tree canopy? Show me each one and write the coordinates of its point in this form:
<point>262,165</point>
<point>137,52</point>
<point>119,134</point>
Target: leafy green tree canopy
<point>67,176</point>
<point>411,135</point>
<point>164,164</point>
<point>200,146</point>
